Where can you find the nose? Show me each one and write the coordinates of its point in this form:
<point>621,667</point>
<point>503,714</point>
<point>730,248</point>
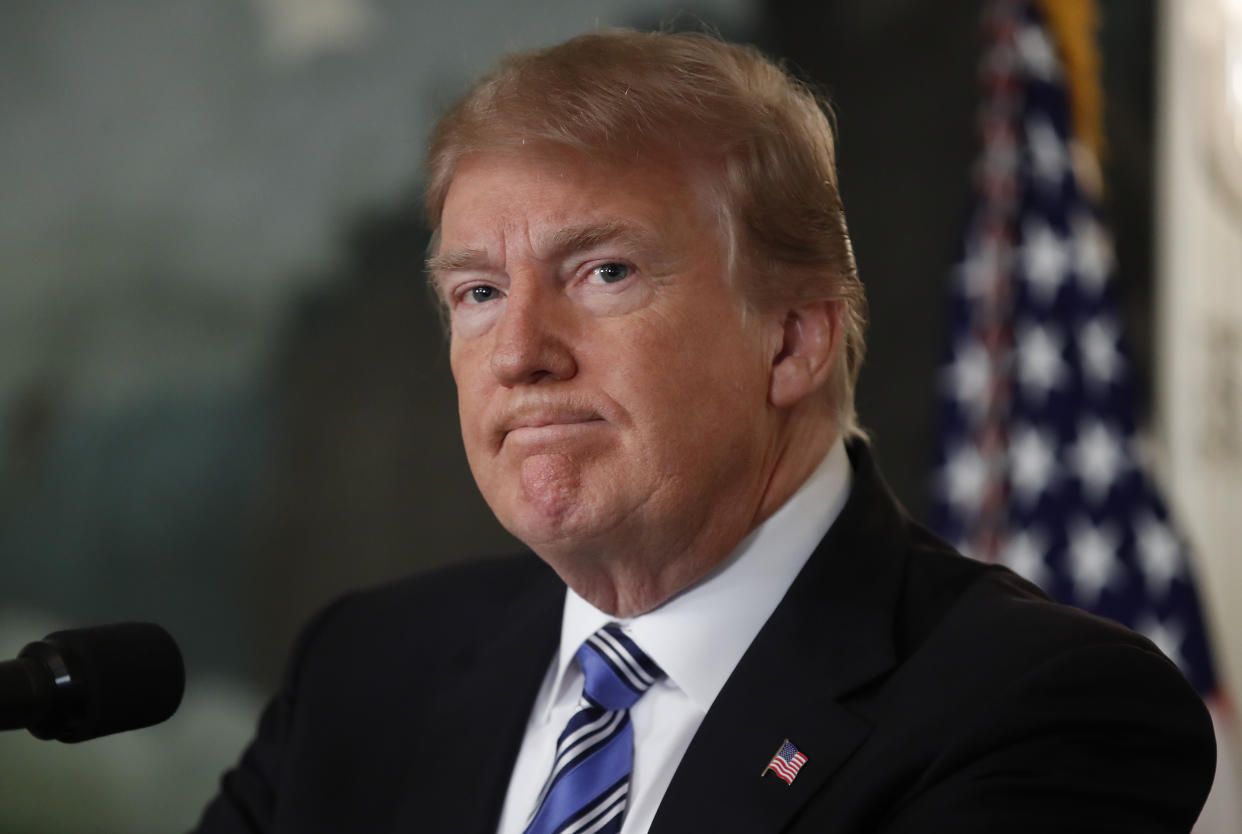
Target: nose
<point>532,341</point>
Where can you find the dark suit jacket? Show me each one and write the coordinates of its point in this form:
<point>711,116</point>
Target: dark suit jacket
<point>929,692</point>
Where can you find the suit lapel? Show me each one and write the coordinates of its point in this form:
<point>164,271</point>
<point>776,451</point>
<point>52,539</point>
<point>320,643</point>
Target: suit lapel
<point>831,634</point>
<point>480,714</point>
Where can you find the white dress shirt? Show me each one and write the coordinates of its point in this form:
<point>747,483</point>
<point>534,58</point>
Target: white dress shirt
<point>697,638</point>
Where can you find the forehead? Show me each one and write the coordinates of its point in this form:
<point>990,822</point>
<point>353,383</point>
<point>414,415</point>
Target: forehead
<point>548,199</point>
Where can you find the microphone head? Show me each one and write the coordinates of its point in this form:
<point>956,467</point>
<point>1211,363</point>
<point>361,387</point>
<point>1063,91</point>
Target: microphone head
<point>109,679</point>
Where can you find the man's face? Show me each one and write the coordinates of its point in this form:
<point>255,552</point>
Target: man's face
<point>610,387</point>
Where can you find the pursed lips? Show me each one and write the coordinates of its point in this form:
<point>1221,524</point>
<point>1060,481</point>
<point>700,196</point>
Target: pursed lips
<point>547,426</point>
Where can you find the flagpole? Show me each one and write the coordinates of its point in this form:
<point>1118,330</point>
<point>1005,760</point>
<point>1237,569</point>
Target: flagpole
<point>775,753</point>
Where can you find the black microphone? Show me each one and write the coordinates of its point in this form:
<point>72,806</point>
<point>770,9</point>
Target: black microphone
<point>90,682</point>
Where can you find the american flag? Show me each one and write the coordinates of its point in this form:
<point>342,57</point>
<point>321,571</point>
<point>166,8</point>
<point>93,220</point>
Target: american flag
<point>1039,465</point>
<point>787,762</point>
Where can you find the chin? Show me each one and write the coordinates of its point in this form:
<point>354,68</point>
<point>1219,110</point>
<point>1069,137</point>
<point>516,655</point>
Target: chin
<point>545,527</point>
<point>561,531</point>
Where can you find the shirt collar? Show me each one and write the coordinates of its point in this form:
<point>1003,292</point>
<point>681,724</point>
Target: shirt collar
<point>700,635</point>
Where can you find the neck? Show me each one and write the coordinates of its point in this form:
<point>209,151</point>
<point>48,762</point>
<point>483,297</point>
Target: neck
<point>608,573</point>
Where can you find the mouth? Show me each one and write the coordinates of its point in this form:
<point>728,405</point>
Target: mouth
<point>546,427</point>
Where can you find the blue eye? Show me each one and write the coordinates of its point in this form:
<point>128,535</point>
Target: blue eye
<point>611,273</point>
<point>483,293</point>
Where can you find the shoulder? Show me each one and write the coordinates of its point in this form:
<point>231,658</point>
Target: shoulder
<point>997,623</point>
<point>368,684</point>
<point>430,614</point>
<point>918,590</point>
<point>1023,713</point>
<point>1005,658</point>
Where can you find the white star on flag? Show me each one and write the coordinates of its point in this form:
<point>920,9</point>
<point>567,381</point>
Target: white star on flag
<point>1168,637</point>
<point>1024,554</point>
<point>1093,560</point>
<point>1159,553</point>
<point>1097,342</point>
<point>965,478</point>
<point>1038,54</point>
<point>1093,253</point>
<point>969,377</point>
<point>1049,159</point>
<point>1033,463</point>
<point>1040,366</point>
<point>1045,259</point>
<point>1098,459</point>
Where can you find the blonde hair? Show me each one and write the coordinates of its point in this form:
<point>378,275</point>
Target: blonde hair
<point>624,95</point>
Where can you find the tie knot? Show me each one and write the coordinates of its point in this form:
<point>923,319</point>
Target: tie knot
<point>617,672</point>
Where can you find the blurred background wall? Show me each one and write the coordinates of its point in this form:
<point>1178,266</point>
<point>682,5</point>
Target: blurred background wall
<point>224,394</point>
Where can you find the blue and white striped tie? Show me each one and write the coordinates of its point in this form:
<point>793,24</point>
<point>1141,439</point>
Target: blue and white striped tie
<point>588,789</point>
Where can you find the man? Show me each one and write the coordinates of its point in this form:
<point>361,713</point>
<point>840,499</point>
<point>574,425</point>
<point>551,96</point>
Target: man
<point>656,326</point>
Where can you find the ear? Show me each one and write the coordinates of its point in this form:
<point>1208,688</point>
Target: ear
<point>808,351</point>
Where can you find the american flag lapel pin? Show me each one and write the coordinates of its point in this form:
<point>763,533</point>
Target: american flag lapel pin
<point>786,763</point>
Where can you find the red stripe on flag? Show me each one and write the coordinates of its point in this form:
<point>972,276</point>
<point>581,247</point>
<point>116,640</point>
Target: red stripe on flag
<point>787,770</point>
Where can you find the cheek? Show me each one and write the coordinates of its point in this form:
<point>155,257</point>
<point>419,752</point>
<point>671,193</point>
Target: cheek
<point>471,394</point>
<point>700,395</point>
<point>721,358</point>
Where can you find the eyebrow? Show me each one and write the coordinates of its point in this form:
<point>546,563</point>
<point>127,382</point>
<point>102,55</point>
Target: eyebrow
<point>577,238</point>
<point>458,259</point>
<point>560,243</point>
